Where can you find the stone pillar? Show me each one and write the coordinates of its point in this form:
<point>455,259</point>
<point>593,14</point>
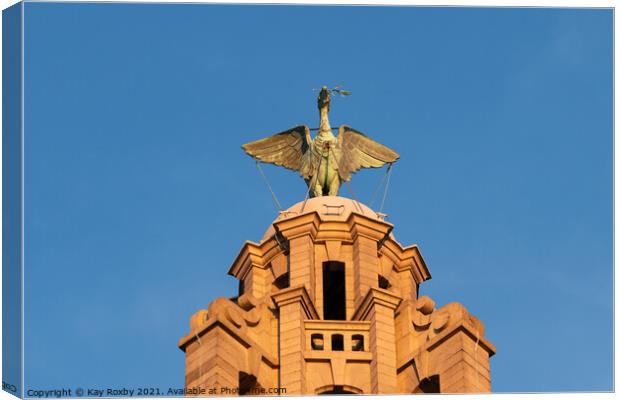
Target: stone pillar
<point>302,263</point>
<point>300,233</point>
<point>458,352</point>
<point>250,268</point>
<point>294,307</point>
<point>365,266</point>
<point>366,235</point>
<point>255,282</point>
<point>408,286</point>
<point>462,362</point>
<point>378,307</point>
<point>211,364</point>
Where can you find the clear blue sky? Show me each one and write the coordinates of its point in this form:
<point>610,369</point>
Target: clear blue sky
<point>138,196</point>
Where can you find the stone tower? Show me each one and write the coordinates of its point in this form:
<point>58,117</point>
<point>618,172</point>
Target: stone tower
<point>328,303</point>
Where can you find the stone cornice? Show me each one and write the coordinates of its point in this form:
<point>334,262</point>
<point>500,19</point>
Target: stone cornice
<point>359,356</point>
<point>422,354</point>
<point>322,325</point>
<point>230,329</point>
<point>258,255</point>
<point>334,230</point>
<point>360,225</point>
<point>312,224</point>
<point>374,297</point>
<point>462,326</point>
<point>305,224</point>
<point>407,258</point>
<point>253,255</point>
<point>296,294</point>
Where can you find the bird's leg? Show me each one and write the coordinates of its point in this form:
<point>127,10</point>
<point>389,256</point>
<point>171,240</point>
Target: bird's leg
<point>318,188</point>
<point>334,185</point>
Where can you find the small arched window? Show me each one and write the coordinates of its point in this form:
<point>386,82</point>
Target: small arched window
<point>357,343</point>
<point>337,342</point>
<point>334,306</point>
<point>316,340</point>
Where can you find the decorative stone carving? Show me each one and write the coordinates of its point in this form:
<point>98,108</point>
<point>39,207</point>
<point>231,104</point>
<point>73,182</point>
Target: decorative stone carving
<point>274,333</point>
<point>429,322</point>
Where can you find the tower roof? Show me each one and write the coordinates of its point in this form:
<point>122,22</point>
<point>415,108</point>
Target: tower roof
<point>329,218</point>
<point>329,208</point>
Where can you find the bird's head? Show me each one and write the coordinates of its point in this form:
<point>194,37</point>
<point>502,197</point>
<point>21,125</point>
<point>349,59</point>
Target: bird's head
<point>324,98</point>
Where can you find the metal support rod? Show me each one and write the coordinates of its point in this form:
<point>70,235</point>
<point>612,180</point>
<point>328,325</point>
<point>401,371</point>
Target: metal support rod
<point>275,199</point>
<point>387,184</point>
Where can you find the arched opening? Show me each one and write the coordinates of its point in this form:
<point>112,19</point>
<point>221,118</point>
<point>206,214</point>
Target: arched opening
<point>357,342</point>
<point>338,389</point>
<point>428,385</point>
<point>316,340</point>
<point>334,307</point>
<point>337,342</point>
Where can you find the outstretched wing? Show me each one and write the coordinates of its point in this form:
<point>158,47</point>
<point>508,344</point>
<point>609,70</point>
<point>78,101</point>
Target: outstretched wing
<point>359,151</point>
<point>288,149</point>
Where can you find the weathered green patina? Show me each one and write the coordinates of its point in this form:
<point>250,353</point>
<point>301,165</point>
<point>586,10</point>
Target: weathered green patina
<point>325,161</point>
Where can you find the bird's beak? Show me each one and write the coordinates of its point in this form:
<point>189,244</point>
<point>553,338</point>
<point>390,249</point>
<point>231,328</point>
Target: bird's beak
<point>323,97</point>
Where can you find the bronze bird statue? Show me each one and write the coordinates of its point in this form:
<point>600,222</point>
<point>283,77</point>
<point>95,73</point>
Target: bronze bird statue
<point>325,161</point>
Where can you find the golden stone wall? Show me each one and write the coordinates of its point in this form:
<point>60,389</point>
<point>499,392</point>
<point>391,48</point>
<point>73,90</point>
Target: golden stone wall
<point>273,334</point>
